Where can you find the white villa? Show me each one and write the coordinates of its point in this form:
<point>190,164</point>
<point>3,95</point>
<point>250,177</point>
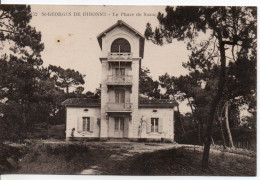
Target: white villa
<point>120,113</point>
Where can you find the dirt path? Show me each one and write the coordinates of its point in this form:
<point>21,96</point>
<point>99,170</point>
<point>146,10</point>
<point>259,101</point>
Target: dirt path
<point>122,151</point>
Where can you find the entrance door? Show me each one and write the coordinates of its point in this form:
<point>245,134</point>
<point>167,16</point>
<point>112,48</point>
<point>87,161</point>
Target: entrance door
<point>119,127</point>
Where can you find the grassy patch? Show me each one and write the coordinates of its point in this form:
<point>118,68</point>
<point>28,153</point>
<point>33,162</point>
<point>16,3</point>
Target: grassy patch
<point>56,159</point>
<point>9,156</point>
<point>118,159</point>
<point>181,161</point>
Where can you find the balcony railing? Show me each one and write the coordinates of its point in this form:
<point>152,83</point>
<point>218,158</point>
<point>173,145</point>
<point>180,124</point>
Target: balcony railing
<point>119,56</point>
<point>119,106</point>
<point>126,79</point>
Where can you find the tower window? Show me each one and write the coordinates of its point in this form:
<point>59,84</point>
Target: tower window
<point>120,95</point>
<point>120,45</point>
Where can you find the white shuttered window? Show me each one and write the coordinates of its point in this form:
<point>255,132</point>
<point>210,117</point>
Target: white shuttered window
<point>154,124</point>
<point>85,124</point>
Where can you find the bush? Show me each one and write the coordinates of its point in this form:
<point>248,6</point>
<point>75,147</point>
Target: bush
<point>10,156</point>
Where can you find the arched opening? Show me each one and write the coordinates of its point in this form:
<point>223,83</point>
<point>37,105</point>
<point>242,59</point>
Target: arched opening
<point>120,45</point>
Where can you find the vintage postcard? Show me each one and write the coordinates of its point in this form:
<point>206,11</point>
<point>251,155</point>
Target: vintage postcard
<point>128,90</point>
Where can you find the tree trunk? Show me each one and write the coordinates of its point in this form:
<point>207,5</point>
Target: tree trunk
<point>227,126</point>
<point>215,102</point>
<point>192,110</point>
<point>179,115</point>
<point>212,140</point>
<point>222,133</point>
<point>219,116</point>
<point>199,133</point>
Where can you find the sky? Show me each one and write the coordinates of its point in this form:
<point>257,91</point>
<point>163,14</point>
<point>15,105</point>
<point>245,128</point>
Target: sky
<point>70,41</point>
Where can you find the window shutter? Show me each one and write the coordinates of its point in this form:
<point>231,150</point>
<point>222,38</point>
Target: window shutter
<point>80,124</point>
<point>91,124</point>
<point>148,125</point>
<point>160,125</point>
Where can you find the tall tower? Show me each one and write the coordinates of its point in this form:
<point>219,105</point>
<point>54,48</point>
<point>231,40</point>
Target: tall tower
<point>122,51</point>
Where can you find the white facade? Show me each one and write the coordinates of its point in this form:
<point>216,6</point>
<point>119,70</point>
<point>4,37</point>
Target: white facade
<point>119,113</point>
<point>165,124</point>
<point>75,117</point>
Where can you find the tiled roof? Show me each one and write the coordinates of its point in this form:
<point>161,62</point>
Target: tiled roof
<point>167,103</point>
<point>87,102</point>
<point>78,102</point>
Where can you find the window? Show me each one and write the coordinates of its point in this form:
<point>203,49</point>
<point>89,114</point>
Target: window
<point>120,96</point>
<point>120,46</point>
<point>120,71</point>
<point>120,74</point>
<point>154,124</point>
<point>86,124</point>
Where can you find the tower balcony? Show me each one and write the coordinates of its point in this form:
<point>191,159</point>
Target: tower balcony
<point>125,57</point>
<point>119,80</point>
<point>119,107</point>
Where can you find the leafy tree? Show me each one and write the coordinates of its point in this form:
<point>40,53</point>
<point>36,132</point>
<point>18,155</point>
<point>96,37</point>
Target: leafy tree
<point>229,27</point>
<point>189,88</point>
<point>79,90</point>
<point>89,94</point>
<point>19,63</point>
<point>66,78</point>
<point>29,92</point>
<point>147,86</point>
<point>97,94</point>
<point>94,95</point>
<point>51,96</point>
